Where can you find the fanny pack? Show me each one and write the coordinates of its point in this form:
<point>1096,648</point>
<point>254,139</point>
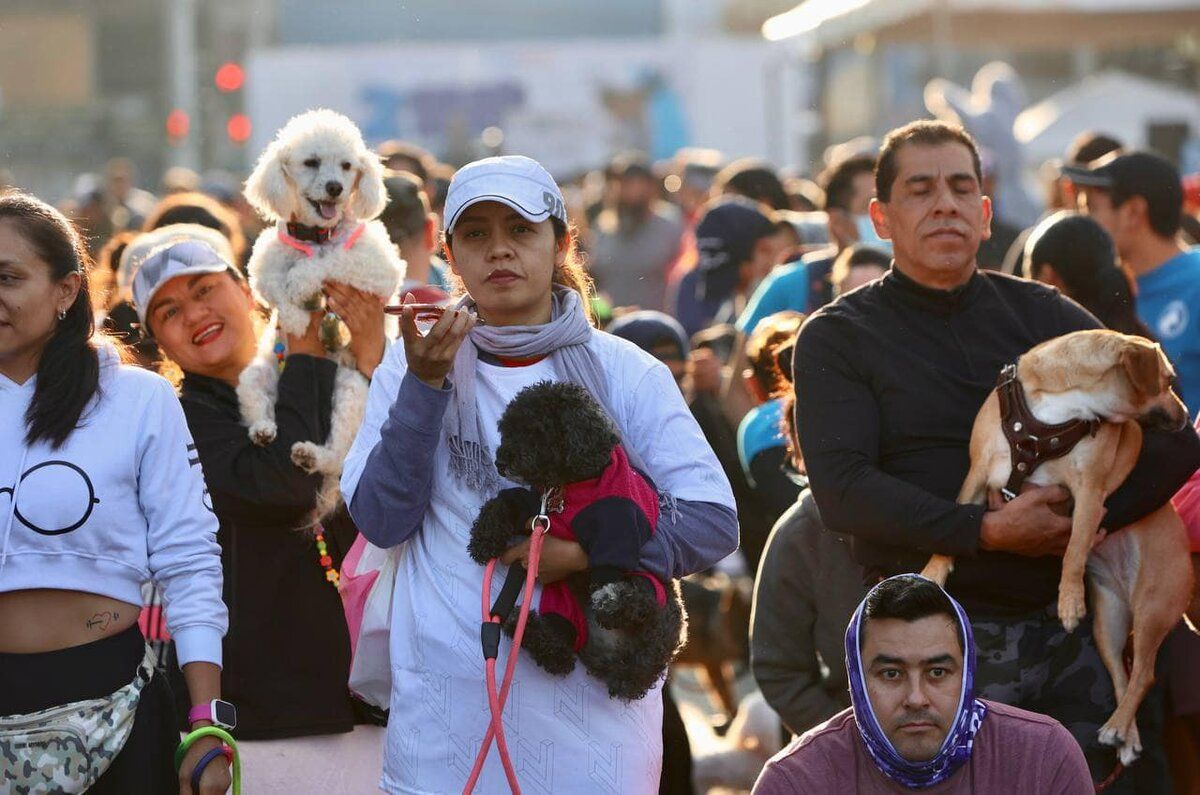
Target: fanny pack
<point>68,747</point>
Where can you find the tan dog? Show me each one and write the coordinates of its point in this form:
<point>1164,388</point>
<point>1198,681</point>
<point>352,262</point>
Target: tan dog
<point>1141,576</point>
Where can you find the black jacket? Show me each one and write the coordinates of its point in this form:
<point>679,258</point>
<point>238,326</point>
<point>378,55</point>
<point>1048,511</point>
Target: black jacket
<point>287,653</point>
<point>889,379</point>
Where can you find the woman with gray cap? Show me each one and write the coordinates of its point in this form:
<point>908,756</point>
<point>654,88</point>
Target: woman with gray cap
<point>422,466</point>
<point>287,654</point>
<point>100,493</point>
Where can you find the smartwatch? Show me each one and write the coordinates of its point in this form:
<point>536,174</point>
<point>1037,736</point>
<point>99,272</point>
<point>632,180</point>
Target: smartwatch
<point>220,713</point>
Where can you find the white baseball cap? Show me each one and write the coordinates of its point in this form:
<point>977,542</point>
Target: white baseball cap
<point>181,257</point>
<point>515,180</point>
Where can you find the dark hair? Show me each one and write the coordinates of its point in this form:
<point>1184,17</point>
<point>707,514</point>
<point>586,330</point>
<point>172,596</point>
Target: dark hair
<point>192,207</point>
<point>407,206</point>
<point>771,332</point>
<point>1089,146</point>
<point>68,373</point>
<point>838,180</point>
<point>1083,256</point>
<point>755,180</point>
<point>920,133</point>
<point>405,156</point>
<point>1164,203</point>
<point>857,255</point>
<point>910,599</point>
<point>804,195</point>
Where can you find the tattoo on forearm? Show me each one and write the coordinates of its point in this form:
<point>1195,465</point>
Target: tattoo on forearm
<point>102,620</point>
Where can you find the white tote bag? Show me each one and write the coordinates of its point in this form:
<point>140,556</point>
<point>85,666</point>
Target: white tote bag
<point>368,577</point>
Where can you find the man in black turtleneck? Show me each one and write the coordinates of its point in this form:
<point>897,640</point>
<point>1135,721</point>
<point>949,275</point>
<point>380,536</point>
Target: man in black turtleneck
<point>889,379</point>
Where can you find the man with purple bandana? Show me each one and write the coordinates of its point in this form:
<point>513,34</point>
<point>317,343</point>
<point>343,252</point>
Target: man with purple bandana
<point>915,723</point>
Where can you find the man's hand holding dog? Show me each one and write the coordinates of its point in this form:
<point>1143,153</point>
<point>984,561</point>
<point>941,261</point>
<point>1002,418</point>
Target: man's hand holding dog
<point>430,356</point>
<point>1033,524</point>
<point>362,313</point>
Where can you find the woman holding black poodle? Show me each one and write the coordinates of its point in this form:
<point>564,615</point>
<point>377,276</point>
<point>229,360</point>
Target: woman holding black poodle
<point>423,465</point>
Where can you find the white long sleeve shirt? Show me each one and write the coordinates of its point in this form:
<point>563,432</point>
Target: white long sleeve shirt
<point>565,734</point>
<point>120,503</point>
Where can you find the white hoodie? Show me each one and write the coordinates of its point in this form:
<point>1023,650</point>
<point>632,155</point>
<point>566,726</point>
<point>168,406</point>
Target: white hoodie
<point>122,501</point>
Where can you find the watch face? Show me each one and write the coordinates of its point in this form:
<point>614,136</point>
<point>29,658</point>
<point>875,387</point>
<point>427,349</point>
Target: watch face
<point>224,714</point>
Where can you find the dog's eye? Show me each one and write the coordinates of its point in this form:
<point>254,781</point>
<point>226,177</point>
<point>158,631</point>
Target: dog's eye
<point>345,165</point>
<point>312,162</point>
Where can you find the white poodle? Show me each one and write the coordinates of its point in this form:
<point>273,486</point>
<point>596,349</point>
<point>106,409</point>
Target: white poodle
<point>322,186</point>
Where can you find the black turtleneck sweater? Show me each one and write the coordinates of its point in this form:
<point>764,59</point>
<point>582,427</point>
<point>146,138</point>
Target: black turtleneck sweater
<point>889,379</point>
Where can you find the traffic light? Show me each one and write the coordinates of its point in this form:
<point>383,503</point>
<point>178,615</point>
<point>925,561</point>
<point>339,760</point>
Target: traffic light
<point>229,77</point>
<point>178,124</point>
<point>239,128</point>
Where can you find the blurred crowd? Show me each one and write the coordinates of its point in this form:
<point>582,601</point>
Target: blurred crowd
<point>712,265</point>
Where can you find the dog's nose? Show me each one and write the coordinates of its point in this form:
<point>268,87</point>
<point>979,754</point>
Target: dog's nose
<point>333,188</point>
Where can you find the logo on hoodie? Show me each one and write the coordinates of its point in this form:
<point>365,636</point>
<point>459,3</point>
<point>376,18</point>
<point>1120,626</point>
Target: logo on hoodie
<point>57,497</point>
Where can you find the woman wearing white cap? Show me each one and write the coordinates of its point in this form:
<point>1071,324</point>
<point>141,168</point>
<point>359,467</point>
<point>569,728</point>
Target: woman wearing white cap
<point>99,493</point>
<point>422,466</point>
<point>287,653</point>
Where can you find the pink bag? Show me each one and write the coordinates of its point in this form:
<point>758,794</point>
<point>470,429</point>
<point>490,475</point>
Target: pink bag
<point>368,577</point>
<point>1187,503</point>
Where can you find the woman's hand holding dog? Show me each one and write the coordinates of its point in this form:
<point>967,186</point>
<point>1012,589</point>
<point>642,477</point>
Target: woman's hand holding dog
<point>430,356</point>
<point>560,558</point>
<point>1033,524</point>
<point>310,343</point>
<point>362,312</point>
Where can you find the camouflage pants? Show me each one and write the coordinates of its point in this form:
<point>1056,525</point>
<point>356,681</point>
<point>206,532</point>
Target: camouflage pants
<point>1031,662</point>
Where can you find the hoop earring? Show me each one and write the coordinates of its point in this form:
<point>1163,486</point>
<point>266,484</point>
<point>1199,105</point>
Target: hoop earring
<point>62,314</point>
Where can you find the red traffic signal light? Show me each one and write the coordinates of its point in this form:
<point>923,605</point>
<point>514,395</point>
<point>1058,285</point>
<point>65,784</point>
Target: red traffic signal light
<point>230,77</point>
<point>177,124</point>
<point>238,127</point>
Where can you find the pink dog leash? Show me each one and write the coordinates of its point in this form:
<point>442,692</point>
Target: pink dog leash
<point>493,618</point>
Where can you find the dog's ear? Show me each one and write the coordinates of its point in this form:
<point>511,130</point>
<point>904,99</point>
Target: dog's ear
<point>370,195</point>
<point>1142,362</point>
<point>268,189</point>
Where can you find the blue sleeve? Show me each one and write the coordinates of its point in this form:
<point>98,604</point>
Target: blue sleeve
<point>787,288</point>
<point>389,501</point>
<point>700,535</point>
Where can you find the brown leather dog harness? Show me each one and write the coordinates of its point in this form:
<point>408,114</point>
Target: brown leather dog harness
<point>1032,442</point>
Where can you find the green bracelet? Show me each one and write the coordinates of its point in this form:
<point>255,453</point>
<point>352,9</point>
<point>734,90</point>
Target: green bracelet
<point>224,736</point>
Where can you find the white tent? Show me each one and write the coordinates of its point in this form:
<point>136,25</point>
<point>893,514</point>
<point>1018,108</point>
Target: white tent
<point>825,23</point>
<point>1048,127</point>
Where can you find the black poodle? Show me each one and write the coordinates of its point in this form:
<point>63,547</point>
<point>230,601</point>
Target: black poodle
<point>623,624</point>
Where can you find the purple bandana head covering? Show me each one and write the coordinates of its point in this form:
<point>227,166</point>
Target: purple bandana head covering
<point>956,748</point>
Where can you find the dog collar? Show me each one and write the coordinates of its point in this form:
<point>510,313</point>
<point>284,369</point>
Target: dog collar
<point>311,234</point>
<point>284,233</point>
<point>1032,442</point>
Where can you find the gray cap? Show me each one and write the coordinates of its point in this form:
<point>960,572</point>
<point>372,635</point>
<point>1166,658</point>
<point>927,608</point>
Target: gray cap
<point>179,258</point>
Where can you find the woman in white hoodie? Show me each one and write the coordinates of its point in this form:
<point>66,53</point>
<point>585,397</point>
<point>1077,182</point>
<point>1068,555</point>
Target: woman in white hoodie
<point>100,491</point>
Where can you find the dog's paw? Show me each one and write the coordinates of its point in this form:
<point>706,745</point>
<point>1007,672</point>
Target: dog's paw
<point>1071,606</point>
<point>1110,736</point>
<point>304,455</point>
<point>1128,741</point>
<point>262,432</point>
<point>1132,748</point>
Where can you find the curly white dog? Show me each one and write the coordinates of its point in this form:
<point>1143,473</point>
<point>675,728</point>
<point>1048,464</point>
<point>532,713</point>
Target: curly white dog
<point>322,186</point>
